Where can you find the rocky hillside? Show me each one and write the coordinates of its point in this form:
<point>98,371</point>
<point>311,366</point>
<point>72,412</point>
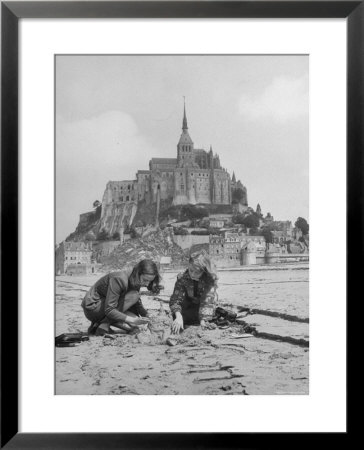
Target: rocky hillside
<point>88,226</point>
<point>146,213</point>
<point>94,224</point>
<point>117,215</point>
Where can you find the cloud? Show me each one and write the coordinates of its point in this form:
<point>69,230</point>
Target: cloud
<point>89,153</point>
<point>285,99</point>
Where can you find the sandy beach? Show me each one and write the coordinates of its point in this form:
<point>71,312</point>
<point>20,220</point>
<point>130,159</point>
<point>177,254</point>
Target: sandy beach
<point>218,361</point>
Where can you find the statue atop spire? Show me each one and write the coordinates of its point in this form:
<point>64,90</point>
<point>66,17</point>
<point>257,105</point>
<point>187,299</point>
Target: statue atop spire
<point>184,123</point>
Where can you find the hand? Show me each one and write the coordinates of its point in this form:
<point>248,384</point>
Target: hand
<point>177,324</point>
<point>157,288</point>
<point>136,321</point>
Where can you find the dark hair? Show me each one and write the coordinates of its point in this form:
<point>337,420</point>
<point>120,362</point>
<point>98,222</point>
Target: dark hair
<point>145,266</point>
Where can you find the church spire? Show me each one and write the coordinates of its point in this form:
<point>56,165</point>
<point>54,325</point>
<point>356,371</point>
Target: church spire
<point>233,179</point>
<point>184,123</point>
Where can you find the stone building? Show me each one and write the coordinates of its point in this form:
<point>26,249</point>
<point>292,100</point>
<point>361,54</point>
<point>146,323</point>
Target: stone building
<point>258,240</point>
<point>216,223</point>
<point>81,269</point>
<point>249,254</point>
<point>195,176</point>
<point>72,253</point>
<point>225,250</point>
<point>216,247</point>
<point>232,247</point>
<point>219,220</point>
<point>268,219</point>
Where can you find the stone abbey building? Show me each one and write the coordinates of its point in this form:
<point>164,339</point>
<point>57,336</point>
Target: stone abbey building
<point>194,177</point>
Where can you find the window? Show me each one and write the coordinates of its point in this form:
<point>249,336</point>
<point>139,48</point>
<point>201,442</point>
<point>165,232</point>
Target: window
<point>127,198</point>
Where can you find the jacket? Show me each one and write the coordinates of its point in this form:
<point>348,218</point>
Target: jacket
<point>202,292</point>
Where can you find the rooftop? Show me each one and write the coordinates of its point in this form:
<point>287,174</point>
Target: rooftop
<point>185,138</point>
<point>164,161</point>
<point>76,246</point>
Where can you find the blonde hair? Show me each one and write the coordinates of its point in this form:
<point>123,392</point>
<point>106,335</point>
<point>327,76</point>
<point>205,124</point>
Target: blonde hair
<point>201,259</point>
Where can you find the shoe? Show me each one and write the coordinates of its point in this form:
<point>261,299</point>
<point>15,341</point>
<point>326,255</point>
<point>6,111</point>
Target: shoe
<point>68,339</point>
<point>102,332</point>
<point>92,328</point>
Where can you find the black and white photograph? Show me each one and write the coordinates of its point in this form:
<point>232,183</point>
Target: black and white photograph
<point>181,224</point>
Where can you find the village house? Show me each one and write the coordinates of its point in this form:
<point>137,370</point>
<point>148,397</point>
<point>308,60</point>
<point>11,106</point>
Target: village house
<point>219,220</point>
<point>225,250</point>
<point>70,254</point>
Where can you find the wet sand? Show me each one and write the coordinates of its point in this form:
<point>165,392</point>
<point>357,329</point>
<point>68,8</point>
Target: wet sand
<point>202,361</point>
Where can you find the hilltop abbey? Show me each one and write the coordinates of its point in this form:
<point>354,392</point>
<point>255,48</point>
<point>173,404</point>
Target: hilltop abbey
<point>194,177</point>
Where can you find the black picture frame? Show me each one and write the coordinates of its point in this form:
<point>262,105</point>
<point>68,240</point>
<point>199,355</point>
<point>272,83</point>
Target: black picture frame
<point>11,13</point>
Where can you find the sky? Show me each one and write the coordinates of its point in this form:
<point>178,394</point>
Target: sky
<point>114,113</point>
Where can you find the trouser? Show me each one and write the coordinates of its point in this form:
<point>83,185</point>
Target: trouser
<point>190,312</point>
<point>94,305</point>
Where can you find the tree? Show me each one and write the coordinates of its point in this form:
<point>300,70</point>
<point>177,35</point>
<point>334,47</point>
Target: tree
<point>180,231</point>
<point>239,218</point>
<point>133,233</point>
<point>251,221</point>
<point>302,224</point>
<point>238,195</point>
<point>116,236</point>
<point>200,232</point>
<point>268,235</point>
<point>102,235</point>
<point>194,212</point>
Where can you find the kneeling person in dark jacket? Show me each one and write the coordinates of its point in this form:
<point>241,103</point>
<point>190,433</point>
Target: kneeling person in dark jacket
<point>115,300</point>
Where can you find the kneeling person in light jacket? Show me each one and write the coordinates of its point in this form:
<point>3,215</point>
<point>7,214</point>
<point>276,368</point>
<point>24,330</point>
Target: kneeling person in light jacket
<point>194,297</point>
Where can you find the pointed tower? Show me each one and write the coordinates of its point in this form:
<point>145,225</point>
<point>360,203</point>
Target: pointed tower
<point>185,153</point>
<point>184,122</point>
<point>259,210</point>
<point>233,178</point>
